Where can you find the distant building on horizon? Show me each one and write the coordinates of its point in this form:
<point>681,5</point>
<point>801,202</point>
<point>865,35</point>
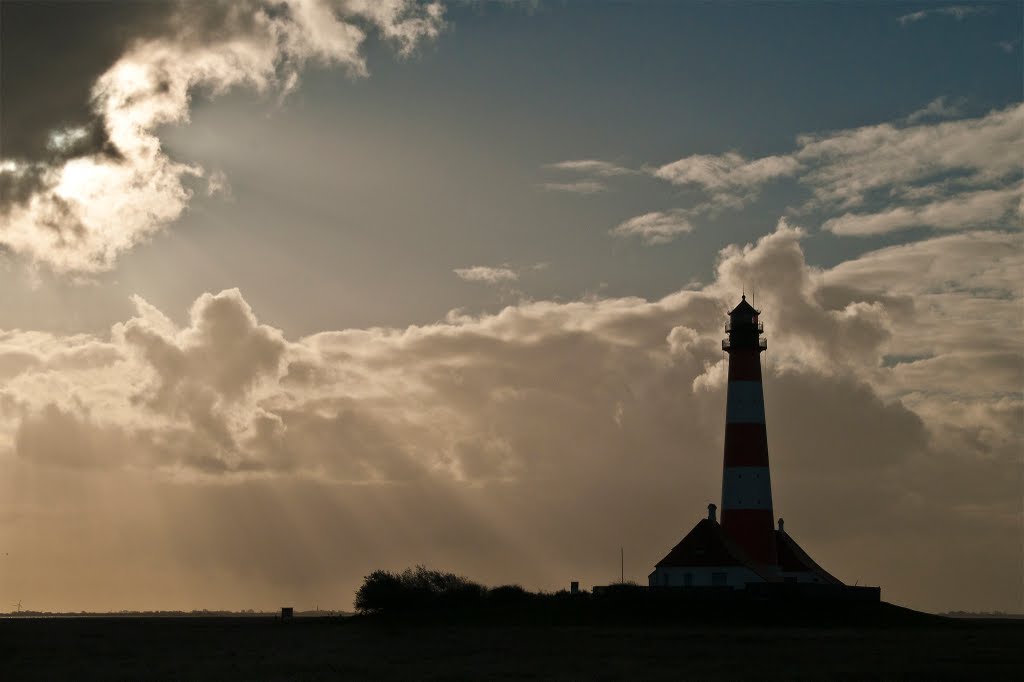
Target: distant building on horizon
<point>745,547</point>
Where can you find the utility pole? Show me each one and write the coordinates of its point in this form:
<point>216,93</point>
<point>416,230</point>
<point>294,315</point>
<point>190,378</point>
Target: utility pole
<point>622,565</point>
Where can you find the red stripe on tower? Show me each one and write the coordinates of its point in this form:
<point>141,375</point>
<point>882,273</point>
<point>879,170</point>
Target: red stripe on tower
<point>747,515</point>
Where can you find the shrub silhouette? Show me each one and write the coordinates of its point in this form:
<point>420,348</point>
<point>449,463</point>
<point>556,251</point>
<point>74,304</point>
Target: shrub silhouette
<point>416,589</point>
<point>508,594</point>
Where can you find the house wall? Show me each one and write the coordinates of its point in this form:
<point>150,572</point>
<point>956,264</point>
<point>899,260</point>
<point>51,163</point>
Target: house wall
<point>702,576</point>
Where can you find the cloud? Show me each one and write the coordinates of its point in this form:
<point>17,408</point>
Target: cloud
<point>727,171</point>
<point>217,184</point>
<point>656,227</point>
<point>497,275</point>
<point>938,108</point>
<point>78,211</point>
<point>730,179</point>
<point>958,12</point>
<point>961,288</point>
<point>220,443</point>
<point>576,187</point>
<point>405,22</point>
<point>594,171</point>
<point>846,166</point>
<point>489,275</point>
<point>951,174</point>
<point>604,169</point>
<point>223,349</point>
<point>984,208</point>
<point>56,437</point>
<point>67,47</point>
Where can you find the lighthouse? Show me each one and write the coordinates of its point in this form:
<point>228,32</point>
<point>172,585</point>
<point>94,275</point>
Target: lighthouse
<point>744,547</point>
<point>747,515</point>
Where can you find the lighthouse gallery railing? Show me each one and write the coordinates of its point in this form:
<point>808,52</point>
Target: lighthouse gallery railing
<point>761,343</point>
<point>760,328</point>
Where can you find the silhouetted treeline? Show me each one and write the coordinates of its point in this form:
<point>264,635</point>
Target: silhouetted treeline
<point>198,613</point>
<point>423,594</point>
<point>982,614</point>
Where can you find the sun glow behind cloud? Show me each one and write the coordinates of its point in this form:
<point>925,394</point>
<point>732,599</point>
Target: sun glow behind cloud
<point>87,211</point>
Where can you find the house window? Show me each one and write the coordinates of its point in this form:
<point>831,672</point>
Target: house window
<point>719,578</point>
<point>688,579</point>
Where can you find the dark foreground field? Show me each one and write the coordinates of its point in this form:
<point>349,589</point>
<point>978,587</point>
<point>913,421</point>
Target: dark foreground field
<point>311,648</point>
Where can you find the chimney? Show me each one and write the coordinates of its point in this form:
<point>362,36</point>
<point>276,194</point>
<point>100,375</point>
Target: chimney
<point>711,512</point>
<point>782,525</point>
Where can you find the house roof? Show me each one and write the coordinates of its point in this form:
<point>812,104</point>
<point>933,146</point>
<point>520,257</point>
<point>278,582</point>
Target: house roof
<point>707,545</point>
<point>793,559</point>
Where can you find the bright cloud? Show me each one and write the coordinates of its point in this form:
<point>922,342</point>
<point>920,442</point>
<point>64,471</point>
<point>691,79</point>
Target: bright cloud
<point>949,175</point>
<point>984,208</point>
<point>545,408</point>
<point>727,171</point>
<point>846,166</point>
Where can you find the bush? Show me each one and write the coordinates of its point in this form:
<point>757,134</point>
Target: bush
<point>508,594</point>
<point>415,589</point>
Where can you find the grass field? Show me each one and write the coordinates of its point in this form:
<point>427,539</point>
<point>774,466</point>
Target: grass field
<point>346,648</point>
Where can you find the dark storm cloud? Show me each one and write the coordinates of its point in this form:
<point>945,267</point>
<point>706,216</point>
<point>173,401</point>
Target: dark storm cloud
<point>51,54</point>
<point>88,88</point>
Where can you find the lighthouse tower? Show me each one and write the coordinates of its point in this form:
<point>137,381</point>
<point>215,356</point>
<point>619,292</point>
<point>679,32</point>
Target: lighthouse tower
<point>743,548</point>
<point>746,483</point>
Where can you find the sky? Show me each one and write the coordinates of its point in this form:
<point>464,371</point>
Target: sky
<point>297,290</point>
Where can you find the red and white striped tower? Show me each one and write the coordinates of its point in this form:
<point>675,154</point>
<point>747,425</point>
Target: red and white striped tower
<point>746,484</point>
